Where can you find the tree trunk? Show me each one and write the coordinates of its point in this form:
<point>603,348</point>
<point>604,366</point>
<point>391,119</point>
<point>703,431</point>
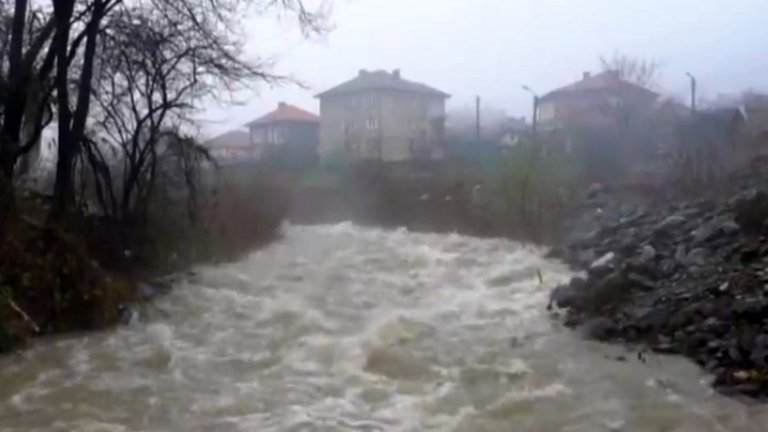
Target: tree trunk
<point>63,186</point>
<point>72,127</point>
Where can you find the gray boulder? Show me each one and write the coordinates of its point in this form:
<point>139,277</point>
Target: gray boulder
<point>750,209</point>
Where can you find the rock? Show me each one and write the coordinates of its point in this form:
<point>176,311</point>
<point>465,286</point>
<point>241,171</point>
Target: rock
<point>130,314</point>
<point>748,389</point>
<point>687,279</point>
<point>719,226</point>
<point>697,257</point>
<point>584,257</point>
<point>647,254</point>
<point>606,292</point>
<point>751,308</point>
<point>668,267</point>
<point>562,296</point>
<point>638,281</point>
<point>680,253</point>
<point>750,210</point>
<point>653,318</point>
<point>669,224</point>
<point>603,260</point>
<point>644,262</point>
<point>147,291</point>
<point>599,329</point>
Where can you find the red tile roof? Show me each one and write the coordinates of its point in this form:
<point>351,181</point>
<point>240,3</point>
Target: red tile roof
<point>234,139</point>
<point>286,113</point>
<point>604,81</point>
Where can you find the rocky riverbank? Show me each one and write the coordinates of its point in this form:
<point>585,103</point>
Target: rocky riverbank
<point>689,279</point>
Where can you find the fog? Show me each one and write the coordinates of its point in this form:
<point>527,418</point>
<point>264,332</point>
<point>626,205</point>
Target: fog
<point>491,48</point>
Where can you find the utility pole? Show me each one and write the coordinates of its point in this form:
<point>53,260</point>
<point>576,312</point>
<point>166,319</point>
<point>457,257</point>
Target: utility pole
<point>535,108</point>
<point>693,91</point>
<point>477,118</point>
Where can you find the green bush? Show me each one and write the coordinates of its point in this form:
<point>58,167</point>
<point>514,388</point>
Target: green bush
<point>536,188</point>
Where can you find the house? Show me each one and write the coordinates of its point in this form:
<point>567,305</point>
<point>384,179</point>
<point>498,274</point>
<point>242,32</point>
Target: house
<point>596,101</point>
<point>232,146</point>
<point>380,115</point>
<point>287,135</point>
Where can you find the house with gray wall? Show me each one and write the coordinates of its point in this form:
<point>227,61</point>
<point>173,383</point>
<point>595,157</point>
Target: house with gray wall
<point>287,137</point>
<point>380,115</point>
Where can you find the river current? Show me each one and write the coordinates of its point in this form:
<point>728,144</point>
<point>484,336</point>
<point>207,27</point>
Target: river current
<point>342,328</point>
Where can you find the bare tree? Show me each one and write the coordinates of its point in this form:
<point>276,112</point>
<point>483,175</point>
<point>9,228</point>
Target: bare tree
<point>146,61</point>
<point>639,71</point>
<point>154,62</point>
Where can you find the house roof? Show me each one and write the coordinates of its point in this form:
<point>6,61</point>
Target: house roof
<point>369,80</point>
<point>286,113</point>
<point>604,81</point>
<point>234,139</point>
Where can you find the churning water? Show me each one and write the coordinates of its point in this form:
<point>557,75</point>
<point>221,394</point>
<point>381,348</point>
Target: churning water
<point>341,328</point>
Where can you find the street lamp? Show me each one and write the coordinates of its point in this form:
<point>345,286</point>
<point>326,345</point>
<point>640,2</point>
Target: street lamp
<point>535,106</point>
<point>693,91</point>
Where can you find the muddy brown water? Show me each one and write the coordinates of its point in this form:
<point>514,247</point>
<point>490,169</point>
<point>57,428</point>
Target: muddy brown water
<point>341,328</point>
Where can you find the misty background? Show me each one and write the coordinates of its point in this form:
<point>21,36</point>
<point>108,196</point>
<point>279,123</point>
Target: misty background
<point>491,48</point>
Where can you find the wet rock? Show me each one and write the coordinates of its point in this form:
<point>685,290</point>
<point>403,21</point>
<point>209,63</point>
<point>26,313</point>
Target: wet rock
<point>603,260</point>
<point>562,296</point>
<point>750,210</point>
<point>697,257</point>
<point>668,224</point>
<point>689,279</point>
<point>719,226</point>
<point>147,291</point>
<point>608,291</point>
<point>130,314</point>
<point>599,329</point>
<point>655,318</point>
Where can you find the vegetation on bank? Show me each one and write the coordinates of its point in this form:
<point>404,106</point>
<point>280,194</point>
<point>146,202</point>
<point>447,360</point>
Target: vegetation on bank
<point>54,280</point>
<point>130,192</point>
<point>527,194</point>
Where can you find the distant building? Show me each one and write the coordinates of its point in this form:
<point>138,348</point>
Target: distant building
<point>596,101</point>
<point>232,146</point>
<point>287,132</point>
<point>382,116</point>
<point>287,136</point>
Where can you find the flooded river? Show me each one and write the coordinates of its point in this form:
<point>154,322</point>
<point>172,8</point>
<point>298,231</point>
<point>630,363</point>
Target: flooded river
<point>340,328</point>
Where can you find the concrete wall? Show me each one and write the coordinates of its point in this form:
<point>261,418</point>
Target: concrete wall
<point>381,124</point>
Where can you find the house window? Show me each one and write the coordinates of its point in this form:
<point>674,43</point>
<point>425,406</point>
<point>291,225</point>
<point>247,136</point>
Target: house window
<point>258,135</point>
<point>372,123</point>
<point>371,102</point>
<point>546,112</point>
<point>275,135</point>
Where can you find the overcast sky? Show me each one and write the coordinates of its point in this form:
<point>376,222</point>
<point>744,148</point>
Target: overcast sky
<point>492,47</point>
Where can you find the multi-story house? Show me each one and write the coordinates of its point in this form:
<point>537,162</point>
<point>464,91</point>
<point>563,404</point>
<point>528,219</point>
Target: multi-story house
<point>598,101</point>
<point>382,116</point>
<point>288,131</point>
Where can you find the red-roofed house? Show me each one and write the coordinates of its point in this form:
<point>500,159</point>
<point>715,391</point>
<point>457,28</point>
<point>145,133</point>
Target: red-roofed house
<point>593,101</point>
<point>286,130</point>
<point>230,146</point>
